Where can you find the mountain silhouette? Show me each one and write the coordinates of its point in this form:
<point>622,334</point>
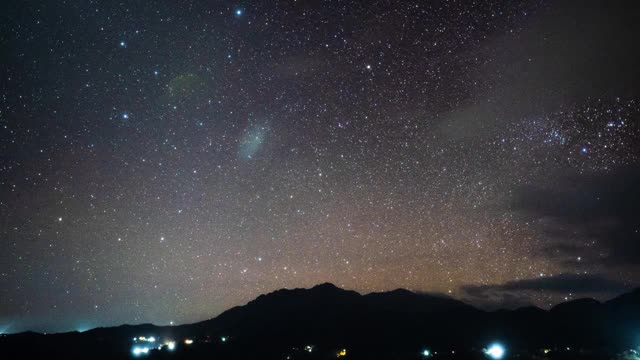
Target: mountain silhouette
<point>382,325</point>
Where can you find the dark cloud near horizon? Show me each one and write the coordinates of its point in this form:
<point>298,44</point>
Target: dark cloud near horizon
<point>591,218</point>
<point>517,293</point>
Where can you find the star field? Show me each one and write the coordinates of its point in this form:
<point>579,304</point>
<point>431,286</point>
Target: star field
<point>162,161</point>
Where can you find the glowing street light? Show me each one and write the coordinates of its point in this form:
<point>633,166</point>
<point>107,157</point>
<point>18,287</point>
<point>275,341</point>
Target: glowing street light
<point>188,342</point>
<point>426,353</point>
<point>495,351</point>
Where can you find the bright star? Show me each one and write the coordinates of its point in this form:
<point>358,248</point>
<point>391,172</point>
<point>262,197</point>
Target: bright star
<point>125,116</point>
<point>123,44</point>
<point>238,12</point>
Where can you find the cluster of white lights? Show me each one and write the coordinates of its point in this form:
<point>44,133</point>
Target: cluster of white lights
<point>145,339</point>
<point>138,350</point>
<point>143,349</point>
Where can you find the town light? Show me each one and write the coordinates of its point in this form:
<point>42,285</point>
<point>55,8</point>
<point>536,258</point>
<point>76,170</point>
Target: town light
<point>137,351</point>
<point>495,351</point>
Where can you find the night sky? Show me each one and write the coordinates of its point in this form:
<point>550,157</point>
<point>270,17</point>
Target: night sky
<point>164,161</point>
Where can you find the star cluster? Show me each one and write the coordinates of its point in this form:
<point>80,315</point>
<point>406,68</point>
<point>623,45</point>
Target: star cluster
<point>164,161</point>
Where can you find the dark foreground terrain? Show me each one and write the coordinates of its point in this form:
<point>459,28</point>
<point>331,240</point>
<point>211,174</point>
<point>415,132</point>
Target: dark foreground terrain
<point>326,322</point>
